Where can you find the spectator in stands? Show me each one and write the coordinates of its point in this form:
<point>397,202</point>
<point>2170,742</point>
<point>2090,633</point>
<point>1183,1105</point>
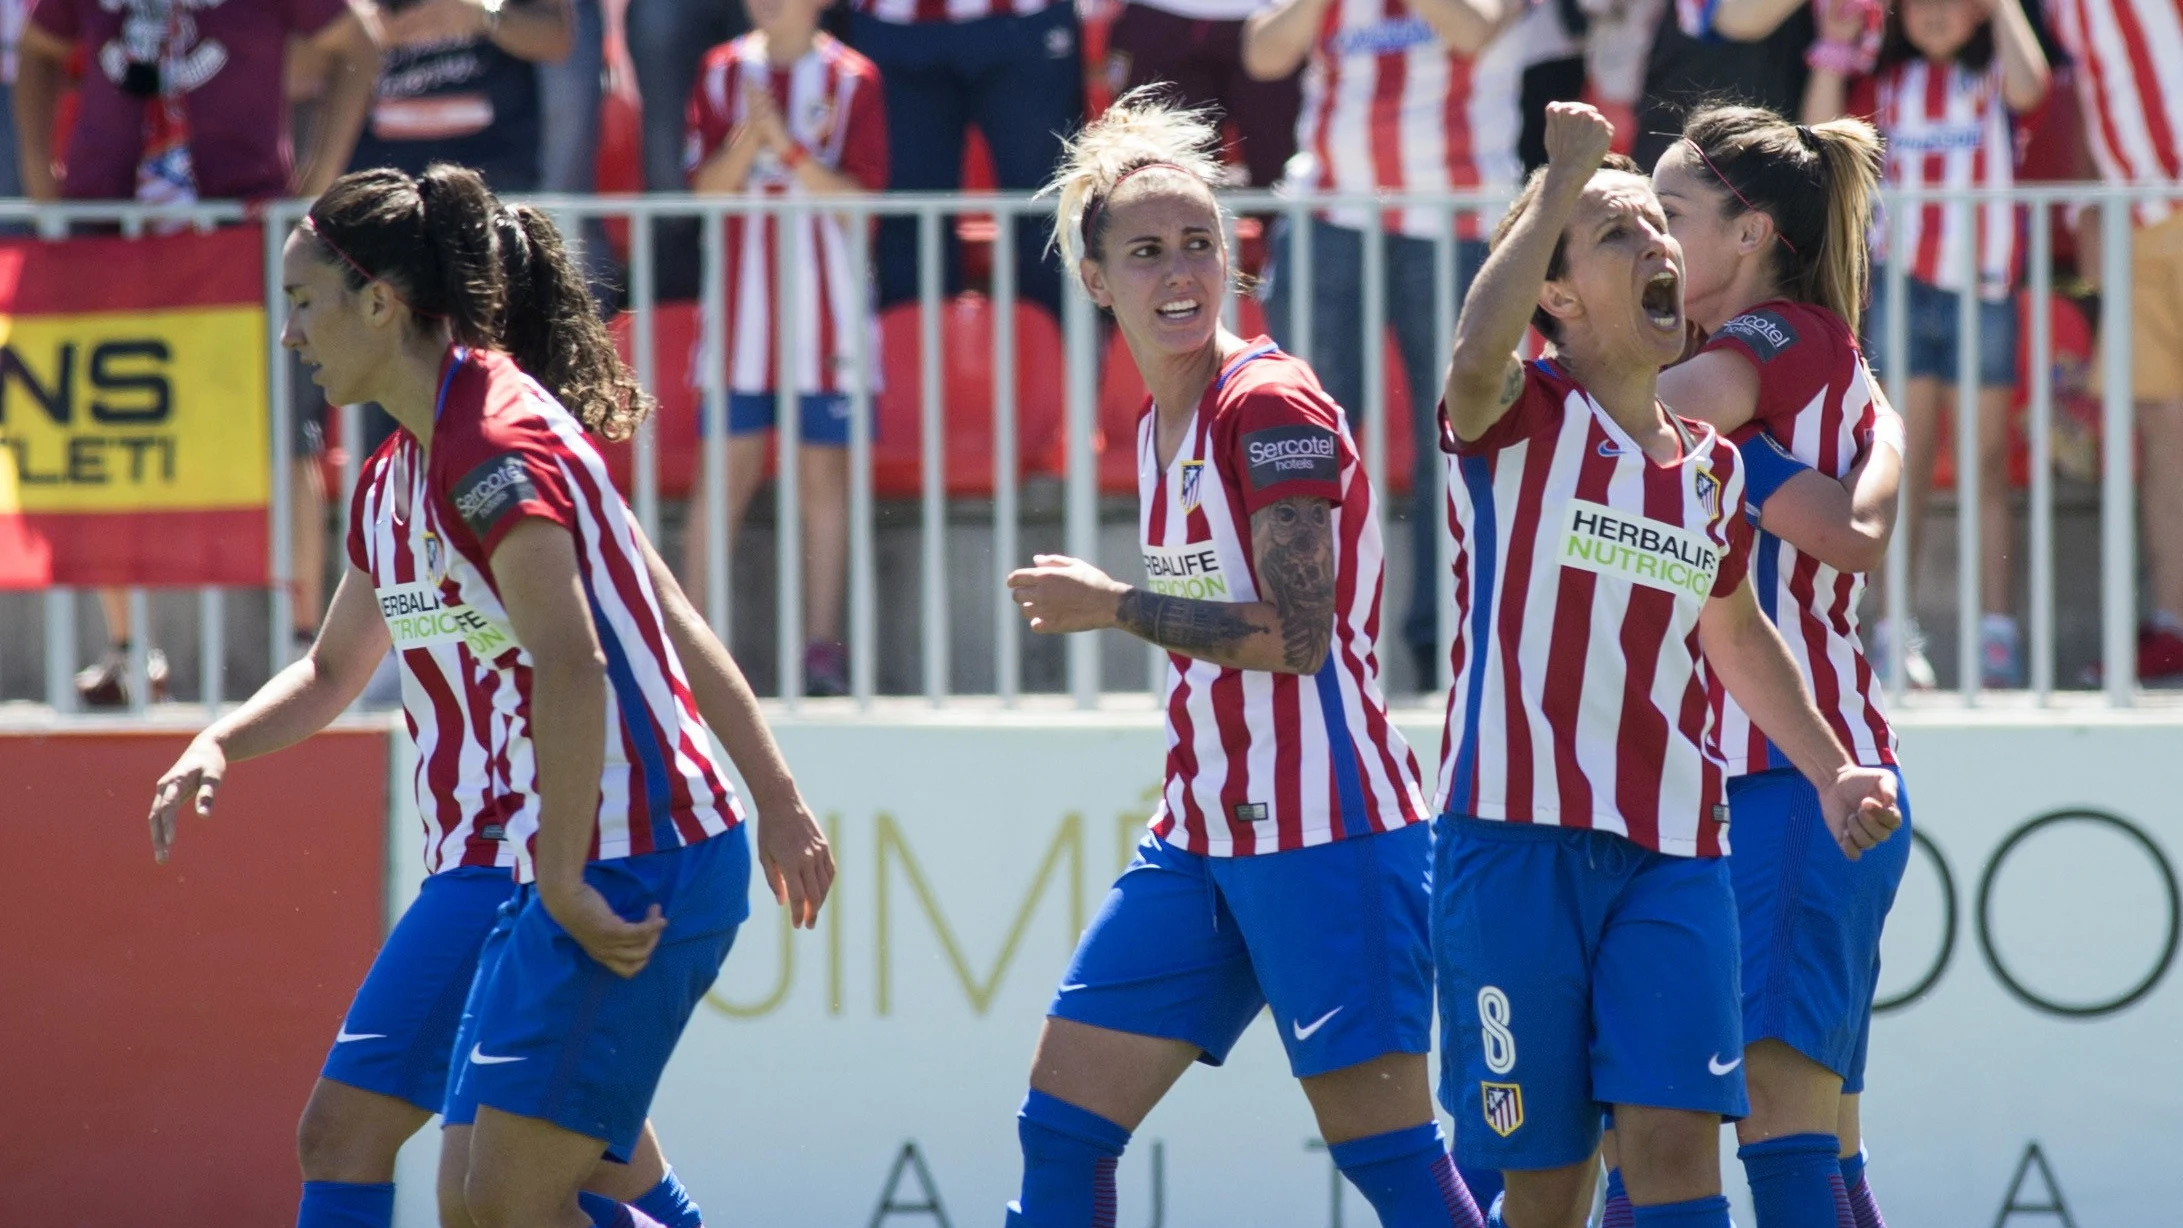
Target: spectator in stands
<point>788,111</point>
<point>1196,47</point>
<point>2129,72</point>
<point>1749,51</point>
<point>13,13</point>
<point>180,103</point>
<point>1583,51</point>
<point>570,94</point>
<point>666,39</point>
<point>459,85</point>
<point>1012,67</point>
<point>1951,74</point>
<point>1424,102</point>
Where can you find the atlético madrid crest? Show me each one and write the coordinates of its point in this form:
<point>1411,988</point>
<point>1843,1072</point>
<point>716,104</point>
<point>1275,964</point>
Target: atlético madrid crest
<point>1193,472</point>
<point>1504,1104</point>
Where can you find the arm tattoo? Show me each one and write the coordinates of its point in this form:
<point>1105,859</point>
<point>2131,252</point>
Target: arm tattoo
<point>1512,383</point>
<point>1207,629</point>
<point>1292,542</point>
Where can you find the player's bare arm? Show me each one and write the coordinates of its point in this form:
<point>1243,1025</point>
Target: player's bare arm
<point>1292,541</point>
<point>798,864</point>
<point>294,704</point>
<point>1484,375</point>
<point>1286,632</point>
<point>1847,524</point>
<point>1744,649</point>
<point>535,569</point>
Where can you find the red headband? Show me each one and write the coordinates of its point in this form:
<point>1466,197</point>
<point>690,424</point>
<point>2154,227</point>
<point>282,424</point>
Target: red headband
<point>369,276</point>
<point>1099,206</point>
<point>1748,206</point>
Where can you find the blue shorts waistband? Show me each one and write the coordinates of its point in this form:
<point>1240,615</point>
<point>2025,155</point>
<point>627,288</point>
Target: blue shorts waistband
<point>1520,833</point>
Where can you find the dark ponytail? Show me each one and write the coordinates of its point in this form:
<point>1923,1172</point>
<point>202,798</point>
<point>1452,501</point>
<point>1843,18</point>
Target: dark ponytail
<point>497,277</point>
<point>553,330</point>
<point>1816,183</point>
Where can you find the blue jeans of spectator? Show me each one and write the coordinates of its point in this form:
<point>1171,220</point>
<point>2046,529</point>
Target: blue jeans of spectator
<point>1932,349</point>
<point>1021,80</point>
<point>1337,354</point>
<point>667,41</point>
<point>569,94</point>
<point>11,171</point>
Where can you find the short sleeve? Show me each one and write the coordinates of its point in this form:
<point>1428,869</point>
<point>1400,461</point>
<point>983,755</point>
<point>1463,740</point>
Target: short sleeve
<point>1285,442</point>
<point>307,17</point>
<point>864,144</point>
<point>1793,353</point>
<point>357,553</point>
<point>1736,560</point>
<point>59,18</point>
<point>705,117</point>
<point>1538,409</point>
<point>498,468</point>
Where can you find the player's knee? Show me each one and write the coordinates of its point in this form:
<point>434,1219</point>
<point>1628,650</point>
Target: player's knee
<point>1669,1155</point>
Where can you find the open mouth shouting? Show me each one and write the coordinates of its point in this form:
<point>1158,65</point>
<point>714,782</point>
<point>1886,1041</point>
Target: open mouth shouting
<point>1662,301</point>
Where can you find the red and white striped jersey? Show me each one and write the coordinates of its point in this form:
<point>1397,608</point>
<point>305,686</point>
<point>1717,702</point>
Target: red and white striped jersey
<point>424,528</point>
<point>1817,399</point>
<point>917,12</point>
<point>1947,127</point>
<point>1387,108</point>
<point>830,101</point>
<point>1261,762</point>
<point>1581,566</point>
<point>2129,65</point>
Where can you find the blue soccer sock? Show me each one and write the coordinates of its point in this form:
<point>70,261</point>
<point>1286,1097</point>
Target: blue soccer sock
<point>1697,1213</point>
<point>1484,1184</point>
<point>1796,1181</point>
<point>1408,1177</point>
<point>670,1204</point>
<point>1069,1156</point>
<point>1857,1192</point>
<point>1618,1212</point>
<point>346,1204</point>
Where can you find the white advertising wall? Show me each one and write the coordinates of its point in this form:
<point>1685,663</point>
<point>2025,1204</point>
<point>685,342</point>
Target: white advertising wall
<point>868,1073</point>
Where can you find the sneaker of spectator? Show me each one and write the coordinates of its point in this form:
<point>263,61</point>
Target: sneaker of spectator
<point>826,669</point>
<point>1917,669</point>
<point>2000,653</point>
<point>105,684</point>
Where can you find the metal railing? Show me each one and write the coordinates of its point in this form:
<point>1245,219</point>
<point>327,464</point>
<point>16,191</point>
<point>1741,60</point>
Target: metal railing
<point>1084,675</point>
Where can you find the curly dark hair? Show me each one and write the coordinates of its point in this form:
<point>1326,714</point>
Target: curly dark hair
<point>497,275</point>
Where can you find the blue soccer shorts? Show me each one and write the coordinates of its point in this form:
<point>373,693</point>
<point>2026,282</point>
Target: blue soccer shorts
<point>551,1033</point>
<point>821,417</point>
<point>1332,937</point>
<point>1578,971</point>
<point>1811,920</point>
<point>400,1030</point>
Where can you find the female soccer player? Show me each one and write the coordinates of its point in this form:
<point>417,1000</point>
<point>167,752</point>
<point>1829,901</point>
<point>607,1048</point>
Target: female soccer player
<point>544,652</point>
<point>1583,919</point>
<point>1772,218</point>
<point>1287,862</point>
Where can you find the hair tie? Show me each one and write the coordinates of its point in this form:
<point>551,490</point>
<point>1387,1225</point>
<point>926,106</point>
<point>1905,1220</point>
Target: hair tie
<point>311,224</point>
<point>1804,134</point>
<point>1733,191</point>
<point>1099,203</point>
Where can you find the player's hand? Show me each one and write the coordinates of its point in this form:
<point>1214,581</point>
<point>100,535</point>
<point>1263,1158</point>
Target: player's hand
<point>196,775</point>
<point>1860,809</point>
<point>623,946</point>
<point>797,862</point>
<point>1577,137</point>
<point>1059,594</point>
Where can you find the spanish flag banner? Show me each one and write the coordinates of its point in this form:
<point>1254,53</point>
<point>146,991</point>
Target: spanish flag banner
<point>134,439</point>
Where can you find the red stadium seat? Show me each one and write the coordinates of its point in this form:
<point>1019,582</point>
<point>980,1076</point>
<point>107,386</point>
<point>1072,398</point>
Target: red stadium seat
<point>966,341</point>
